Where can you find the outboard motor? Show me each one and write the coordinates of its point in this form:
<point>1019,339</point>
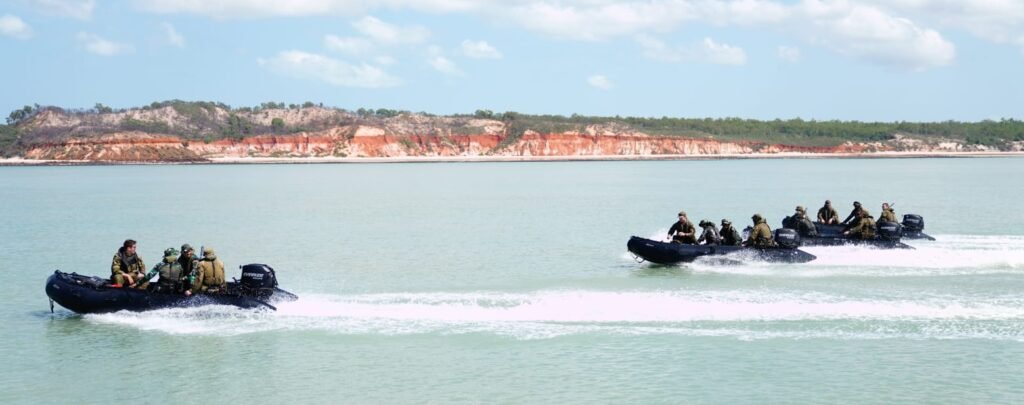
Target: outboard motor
<point>913,223</point>
<point>787,238</point>
<point>889,231</point>
<point>258,279</point>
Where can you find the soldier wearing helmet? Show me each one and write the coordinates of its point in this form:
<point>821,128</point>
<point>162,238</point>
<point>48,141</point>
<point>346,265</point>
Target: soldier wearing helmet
<point>210,274</point>
<point>761,236</point>
<point>730,236</point>
<point>710,235</point>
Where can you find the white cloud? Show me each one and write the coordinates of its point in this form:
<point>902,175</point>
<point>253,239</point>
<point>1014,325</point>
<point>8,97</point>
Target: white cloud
<point>390,34</point>
<point>600,81</point>
<point>441,63</point>
<point>869,33</point>
<point>100,46</point>
<point>480,50</point>
<point>80,9</point>
<point>998,21</point>
<point>889,32</point>
<point>321,68</point>
<point>173,37</point>
<point>707,51</point>
<point>350,45</point>
<point>13,26</point>
<point>789,54</point>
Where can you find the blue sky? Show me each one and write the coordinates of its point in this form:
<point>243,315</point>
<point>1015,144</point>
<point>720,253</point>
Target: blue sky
<point>870,60</point>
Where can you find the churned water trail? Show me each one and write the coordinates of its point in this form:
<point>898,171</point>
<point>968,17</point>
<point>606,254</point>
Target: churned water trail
<point>556,313</point>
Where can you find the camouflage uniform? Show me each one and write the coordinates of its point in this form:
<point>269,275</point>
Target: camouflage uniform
<point>803,225</point>
<point>888,215</point>
<point>761,236</point>
<point>209,274</point>
<point>170,272</point>
<point>123,265</point>
<point>710,234</point>
<point>865,229</point>
<point>730,236</point>
<point>189,265</point>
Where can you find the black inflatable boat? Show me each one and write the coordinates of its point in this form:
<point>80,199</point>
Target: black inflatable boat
<point>887,234</point>
<point>674,253</point>
<point>89,294</point>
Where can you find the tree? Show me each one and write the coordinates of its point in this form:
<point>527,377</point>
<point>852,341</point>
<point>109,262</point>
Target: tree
<point>484,114</point>
<point>102,109</point>
<point>277,125</point>
<point>17,116</point>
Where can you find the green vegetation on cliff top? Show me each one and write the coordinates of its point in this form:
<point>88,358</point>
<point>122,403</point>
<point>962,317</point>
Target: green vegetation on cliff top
<point>206,121</point>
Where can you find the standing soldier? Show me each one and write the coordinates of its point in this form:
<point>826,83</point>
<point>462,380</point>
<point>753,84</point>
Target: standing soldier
<point>730,236</point>
<point>127,267</point>
<point>682,231</point>
<point>828,215</point>
<point>210,274</point>
<point>761,236</point>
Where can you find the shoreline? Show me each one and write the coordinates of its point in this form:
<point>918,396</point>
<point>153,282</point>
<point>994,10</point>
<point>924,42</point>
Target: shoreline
<point>485,159</point>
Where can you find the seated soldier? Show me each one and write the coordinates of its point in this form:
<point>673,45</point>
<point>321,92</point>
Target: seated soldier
<point>171,274</point>
<point>865,228</point>
<point>888,214</point>
<point>682,231</point>
<point>710,234</point>
<point>210,274</point>
<point>127,268</point>
<point>761,235</point>
<point>802,224</point>
<point>828,215</point>
<point>730,236</point>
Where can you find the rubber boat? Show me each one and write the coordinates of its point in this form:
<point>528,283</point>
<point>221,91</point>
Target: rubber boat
<point>90,294</point>
<point>888,235</point>
<point>673,253</point>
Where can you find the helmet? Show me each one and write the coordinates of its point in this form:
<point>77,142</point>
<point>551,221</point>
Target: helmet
<point>757,217</point>
<point>682,213</point>
<point>856,203</point>
<point>186,247</point>
<point>726,222</point>
<point>800,208</point>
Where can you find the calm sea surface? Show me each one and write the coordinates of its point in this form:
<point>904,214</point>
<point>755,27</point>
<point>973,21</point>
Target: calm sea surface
<point>510,283</point>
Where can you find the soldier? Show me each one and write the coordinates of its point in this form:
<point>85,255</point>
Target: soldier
<point>761,236</point>
<point>209,274</point>
<point>710,234</point>
<point>730,236</point>
<point>865,227</point>
<point>682,231</point>
<point>803,225</point>
<point>854,217</point>
<point>127,267</point>
<point>189,265</point>
<point>170,273</point>
<point>888,214</point>
<point>827,214</point>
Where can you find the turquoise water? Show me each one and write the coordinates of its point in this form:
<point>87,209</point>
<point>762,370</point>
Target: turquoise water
<point>510,283</point>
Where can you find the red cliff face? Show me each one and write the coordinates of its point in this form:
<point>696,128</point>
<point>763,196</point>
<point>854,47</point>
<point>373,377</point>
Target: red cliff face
<point>135,147</point>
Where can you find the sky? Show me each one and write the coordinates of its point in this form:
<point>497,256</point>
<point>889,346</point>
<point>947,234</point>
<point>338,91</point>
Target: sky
<point>868,60</point>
